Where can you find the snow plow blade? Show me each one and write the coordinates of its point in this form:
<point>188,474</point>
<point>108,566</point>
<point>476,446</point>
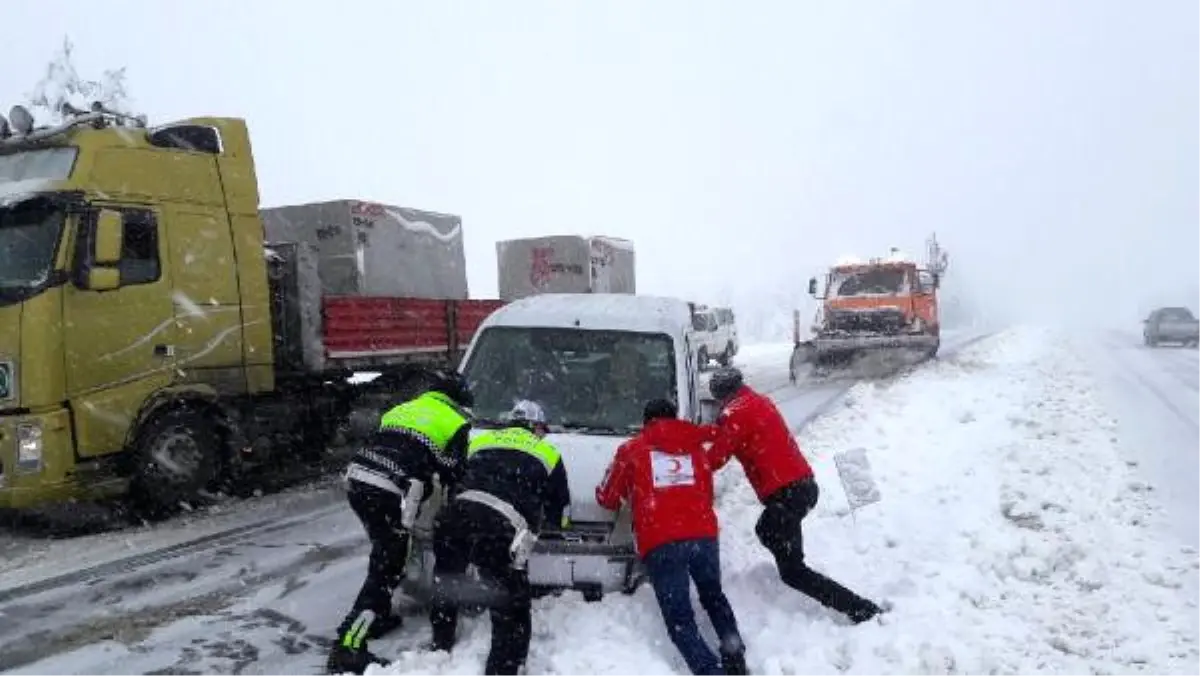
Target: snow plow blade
<point>859,356</point>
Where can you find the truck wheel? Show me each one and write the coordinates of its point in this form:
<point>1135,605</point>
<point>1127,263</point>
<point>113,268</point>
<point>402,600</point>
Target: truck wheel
<point>175,458</point>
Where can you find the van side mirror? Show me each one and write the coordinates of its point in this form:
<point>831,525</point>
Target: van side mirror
<point>812,286</point>
<point>709,410</point>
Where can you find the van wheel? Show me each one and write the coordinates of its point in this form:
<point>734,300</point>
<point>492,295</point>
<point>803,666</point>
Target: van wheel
<point>175,458</point>
<point>726,356</point>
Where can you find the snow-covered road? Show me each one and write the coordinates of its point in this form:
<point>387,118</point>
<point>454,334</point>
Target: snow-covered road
<point>999,553</point>
<point>1152,392</point>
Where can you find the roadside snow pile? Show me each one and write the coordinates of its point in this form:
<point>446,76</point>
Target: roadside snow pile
<point>1010,539</point>
<point>1011,536</point>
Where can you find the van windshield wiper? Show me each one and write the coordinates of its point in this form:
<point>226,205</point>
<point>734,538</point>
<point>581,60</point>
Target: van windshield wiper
<point>590,428</point>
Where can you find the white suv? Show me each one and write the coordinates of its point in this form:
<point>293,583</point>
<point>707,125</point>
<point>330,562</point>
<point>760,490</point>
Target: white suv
<point>714,340</point>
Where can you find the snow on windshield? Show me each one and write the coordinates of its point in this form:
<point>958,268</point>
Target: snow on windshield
<point>582,378</point>
<point>873,282</point>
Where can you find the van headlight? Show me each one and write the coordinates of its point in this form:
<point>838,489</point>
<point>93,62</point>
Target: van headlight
<point>29,447</point>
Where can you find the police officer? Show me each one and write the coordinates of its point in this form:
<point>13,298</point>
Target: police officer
<point>388,481</point>
<point>514,478</point>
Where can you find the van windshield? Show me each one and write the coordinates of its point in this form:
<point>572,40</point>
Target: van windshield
<point>596,382</point>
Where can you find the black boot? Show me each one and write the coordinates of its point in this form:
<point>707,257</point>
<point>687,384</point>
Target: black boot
<point>864,612</point>
<point>734,664</point>
<point>348,660</point>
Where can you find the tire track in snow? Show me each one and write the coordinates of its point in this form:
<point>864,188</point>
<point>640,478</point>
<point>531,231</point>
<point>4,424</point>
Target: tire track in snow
<point>1117,342</point>
<point>132,563</point>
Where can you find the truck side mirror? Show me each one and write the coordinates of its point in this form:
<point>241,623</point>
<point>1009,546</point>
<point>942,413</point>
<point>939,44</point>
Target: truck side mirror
<point>110,233</point>
<point>812,286</point>
<point>102,273</point>
<point>103,279</point>
<point>709,410</point>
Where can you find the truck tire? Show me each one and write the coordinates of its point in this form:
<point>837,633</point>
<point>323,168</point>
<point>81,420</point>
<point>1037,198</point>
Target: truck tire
<point>176,456</point>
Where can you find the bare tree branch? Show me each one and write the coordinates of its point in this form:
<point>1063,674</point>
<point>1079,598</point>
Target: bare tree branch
<point>62,83</point>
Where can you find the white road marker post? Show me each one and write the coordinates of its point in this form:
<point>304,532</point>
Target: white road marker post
<point>854,470</point>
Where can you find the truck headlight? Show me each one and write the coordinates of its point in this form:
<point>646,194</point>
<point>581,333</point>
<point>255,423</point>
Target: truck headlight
<point>29,447</point>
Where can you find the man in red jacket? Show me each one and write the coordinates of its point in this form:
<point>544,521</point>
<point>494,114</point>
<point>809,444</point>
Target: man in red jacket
<point>665,475</point>
<point>751,429</point>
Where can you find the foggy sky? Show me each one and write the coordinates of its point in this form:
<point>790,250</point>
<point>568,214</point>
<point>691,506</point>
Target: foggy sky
<point>743,146</point>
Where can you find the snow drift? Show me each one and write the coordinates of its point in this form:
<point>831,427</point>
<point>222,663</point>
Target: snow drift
<point>1010,538</point>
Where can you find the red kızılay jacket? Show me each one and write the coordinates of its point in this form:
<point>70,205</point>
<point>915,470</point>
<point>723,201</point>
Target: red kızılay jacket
<point>665,475</point>
<point>751,429</point>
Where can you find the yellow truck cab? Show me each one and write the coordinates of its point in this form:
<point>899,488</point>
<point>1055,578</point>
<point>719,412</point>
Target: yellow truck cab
<point>131,274</point>
<point>137,346</point>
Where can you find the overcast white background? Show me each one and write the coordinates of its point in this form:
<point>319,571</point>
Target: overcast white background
<point>1052,145</point>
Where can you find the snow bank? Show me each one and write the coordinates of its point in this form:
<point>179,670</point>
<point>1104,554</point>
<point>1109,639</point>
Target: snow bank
<point>1010,539</point>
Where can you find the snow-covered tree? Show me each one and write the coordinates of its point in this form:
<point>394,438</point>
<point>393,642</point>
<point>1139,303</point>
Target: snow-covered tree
<point>62,83</point>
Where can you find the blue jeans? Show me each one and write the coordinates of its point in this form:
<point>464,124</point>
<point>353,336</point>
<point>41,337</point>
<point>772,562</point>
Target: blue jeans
<point>671,568</point>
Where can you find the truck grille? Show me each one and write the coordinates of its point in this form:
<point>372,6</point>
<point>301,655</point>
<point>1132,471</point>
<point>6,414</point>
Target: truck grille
<point>869,321</point>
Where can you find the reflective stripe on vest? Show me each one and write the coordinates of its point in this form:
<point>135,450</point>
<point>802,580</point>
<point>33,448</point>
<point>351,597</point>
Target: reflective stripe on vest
<point>517,439</point>
<point>432,417</point>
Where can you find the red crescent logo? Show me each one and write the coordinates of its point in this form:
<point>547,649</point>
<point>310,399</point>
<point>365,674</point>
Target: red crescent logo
<point>676,466</point>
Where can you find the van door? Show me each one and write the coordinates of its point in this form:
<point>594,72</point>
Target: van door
<point>120,344</point>
<point>690,366</point>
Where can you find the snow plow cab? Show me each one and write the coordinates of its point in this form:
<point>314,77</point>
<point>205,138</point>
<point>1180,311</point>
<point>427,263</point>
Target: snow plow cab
<point>880,314</point>
<point>592,361</point>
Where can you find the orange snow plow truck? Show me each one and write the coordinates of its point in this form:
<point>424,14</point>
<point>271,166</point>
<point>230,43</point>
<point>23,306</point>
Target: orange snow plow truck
<point>883,309</point>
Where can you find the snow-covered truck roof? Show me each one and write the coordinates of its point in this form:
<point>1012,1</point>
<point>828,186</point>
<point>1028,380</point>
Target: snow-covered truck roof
<point>598,311</point>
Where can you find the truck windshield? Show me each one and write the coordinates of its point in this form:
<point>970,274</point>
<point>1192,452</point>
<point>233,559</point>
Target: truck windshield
<point>29,233</point>
<point>590,381</point>
<point>874,282</point>
<point>50,164</point>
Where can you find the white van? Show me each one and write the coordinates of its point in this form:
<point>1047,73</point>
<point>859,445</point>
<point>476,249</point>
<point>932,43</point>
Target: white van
<point>592,361</point>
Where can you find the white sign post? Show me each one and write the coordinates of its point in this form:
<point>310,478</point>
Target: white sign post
<point>855,472</point>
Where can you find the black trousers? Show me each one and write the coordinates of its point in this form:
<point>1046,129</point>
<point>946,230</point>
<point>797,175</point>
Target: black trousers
<point>469,533</point>
<point>779,530</point>
<point>379,511</point>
